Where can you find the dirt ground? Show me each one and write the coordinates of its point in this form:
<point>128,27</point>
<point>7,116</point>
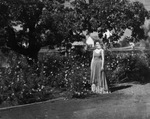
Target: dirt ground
<point>127,101</point>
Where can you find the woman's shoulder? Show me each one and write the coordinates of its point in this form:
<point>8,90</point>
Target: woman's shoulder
<point>98,49</point>
<point>102,50</point>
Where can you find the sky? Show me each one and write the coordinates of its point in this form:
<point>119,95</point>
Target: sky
<point>145,2</point>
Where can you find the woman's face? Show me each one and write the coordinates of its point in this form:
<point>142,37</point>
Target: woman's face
<point>97,45</point>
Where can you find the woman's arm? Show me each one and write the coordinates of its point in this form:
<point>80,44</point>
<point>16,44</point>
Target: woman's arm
<point>103,58</point>
<point>92,59</point>
<point>93,55</point>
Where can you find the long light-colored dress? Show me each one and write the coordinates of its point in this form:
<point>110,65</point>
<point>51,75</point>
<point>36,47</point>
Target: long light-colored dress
<point>98,78</point>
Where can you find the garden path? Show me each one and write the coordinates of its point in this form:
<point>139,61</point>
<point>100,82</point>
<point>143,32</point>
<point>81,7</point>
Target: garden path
<point>128,101</point>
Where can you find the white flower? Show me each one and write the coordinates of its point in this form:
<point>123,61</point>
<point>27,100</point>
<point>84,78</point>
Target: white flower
<point>42,87</point>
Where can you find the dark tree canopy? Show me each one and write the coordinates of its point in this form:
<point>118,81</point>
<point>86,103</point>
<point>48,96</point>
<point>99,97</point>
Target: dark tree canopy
<point>116,15</point>
<point>50,23</point>
<point>27,14</point>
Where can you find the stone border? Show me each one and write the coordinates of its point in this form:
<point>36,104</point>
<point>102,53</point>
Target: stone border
<point>18,106</point>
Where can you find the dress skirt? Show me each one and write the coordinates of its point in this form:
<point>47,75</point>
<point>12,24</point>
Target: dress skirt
<point>98,78</point>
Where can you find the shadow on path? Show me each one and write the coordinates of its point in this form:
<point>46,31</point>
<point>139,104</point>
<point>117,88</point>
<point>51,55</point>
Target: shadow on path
<point>121,87</point>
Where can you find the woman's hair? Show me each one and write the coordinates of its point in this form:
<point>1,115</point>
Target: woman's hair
<point>98,41</point>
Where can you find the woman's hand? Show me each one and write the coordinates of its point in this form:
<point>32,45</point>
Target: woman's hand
<point>102,68</point>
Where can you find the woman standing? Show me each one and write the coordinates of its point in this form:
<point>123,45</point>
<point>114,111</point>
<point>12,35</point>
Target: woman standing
<point>98,78</point>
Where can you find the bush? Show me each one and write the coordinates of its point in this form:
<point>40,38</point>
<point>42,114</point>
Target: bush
<point>128,66</point>
<point>76,79</point>
<point>74,75</point>
<point>22,84</point>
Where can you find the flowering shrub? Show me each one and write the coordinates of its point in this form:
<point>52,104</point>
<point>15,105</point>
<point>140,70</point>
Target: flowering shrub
<point>73,73</point>
<point>77,75</point>
<point>127,66</point>
<point>21,83</point>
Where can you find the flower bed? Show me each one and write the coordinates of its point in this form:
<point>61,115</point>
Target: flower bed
<point>128,66</point>
<point>22,84</point>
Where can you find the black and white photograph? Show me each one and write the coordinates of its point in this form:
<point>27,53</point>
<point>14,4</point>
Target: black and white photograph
<point>74,59</point>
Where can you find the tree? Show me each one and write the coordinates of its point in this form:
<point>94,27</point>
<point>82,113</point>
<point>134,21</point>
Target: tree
<point>4,20</point>
<point>54,23</point>
<point>27,14</point>
<point>62,23</point>
<point>114,15</point>
<point>46,22</point>
<point>41,25</point>
<point>139,13</point>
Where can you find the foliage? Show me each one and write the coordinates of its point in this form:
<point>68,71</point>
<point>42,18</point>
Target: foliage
<point>50,23</point>
<point>30,16</point>
<point>128,66</point>
<point>22,83</point>
<point>27,15</point>
<point>70,73</point>
<point>125,41</point>
<point>114,15</point>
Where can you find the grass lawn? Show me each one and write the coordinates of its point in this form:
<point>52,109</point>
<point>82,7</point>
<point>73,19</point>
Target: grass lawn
<point>131,101</point>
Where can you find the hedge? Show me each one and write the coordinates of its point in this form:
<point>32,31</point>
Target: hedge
<point>22,84</point>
